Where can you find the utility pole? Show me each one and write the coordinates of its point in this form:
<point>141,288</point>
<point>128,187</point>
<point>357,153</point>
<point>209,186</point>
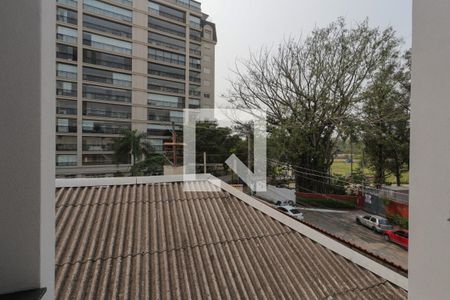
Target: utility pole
<point>174,145</point>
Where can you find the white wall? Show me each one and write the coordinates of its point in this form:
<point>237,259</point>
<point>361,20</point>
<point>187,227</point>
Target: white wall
<point>429,256</point>
<point>27,97</point>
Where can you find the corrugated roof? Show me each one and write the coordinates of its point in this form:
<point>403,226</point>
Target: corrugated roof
<point>149,241</point>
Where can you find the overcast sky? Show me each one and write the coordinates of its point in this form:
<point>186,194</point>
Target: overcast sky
<point>245,25</point>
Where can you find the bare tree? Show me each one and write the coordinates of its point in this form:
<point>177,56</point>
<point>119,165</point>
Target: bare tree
<point>310,89</point>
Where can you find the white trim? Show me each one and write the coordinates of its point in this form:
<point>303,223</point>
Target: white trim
<point>318,237</point>
<point>81,182</point>
<point>307,231</point>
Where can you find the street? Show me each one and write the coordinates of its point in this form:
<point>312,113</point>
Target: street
<point>343,225</point>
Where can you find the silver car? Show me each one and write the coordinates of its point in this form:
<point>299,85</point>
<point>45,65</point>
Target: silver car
<point>376,223</point>
<point>291,211</point>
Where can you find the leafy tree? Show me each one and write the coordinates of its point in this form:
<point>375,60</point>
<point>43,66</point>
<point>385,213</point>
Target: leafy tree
<point>218,142</point>
<point>310,90</point>
<point>386,119</point>
<point>133,144</point>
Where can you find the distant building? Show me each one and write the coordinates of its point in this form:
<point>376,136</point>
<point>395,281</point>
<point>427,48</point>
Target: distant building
<point>133,64</point>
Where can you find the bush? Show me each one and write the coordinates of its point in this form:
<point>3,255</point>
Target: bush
<point>399,221</point>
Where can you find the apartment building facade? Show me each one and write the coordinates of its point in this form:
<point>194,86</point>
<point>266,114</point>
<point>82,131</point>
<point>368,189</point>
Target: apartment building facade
<point>126,64</point>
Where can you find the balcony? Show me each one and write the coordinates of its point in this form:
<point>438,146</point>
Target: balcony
<point>66,19</point>
<point>165,104</point>
<point>66,38</point>
<point>107,13</point>
<point>71,3</point>
<point>66,75</point>
<point>107,113</point>
<point>162,118</point>
<point>66,147</point>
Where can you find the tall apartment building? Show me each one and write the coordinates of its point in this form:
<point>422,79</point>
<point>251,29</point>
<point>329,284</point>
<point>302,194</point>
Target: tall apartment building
<point>127,64</point>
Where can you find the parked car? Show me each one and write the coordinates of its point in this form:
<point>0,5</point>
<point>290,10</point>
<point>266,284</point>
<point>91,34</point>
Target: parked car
<point>291,211</point>
<point>400,237</point>
<point>376,223</point>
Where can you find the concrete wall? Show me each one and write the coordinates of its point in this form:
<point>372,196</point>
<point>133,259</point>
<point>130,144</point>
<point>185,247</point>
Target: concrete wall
<point>27,114</point>
<point>429,256</point>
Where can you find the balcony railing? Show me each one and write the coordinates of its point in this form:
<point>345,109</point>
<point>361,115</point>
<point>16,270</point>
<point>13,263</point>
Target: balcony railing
<point>66,111</point>
<point>166,59</point>
<point>66,38</point>
<point>160,118</point>
<point>107,47</point>
<point>106,80</point>
<point>165,89</point>
<point>124,2</point>
<point>195,66</point>
<point>99,96</point>
<point>194,5</point>
<point>66,19</point>
<point>63,92</point>
<point>107,29</point>
<point>72,3</point>
<point>169,16</point>
<point>165,104</point>
<point>107,113</point>
<point>67,75</point>
<point>98,147</point>
<point>165,29</point>
<point>107,13</point>
<point>167,45</point>
<point>66,147</point>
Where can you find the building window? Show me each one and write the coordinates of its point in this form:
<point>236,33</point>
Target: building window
<point>168,27</point>
<point>66,16</point>
<point>90,126</point>
<point>66,34</point>
<point>107,60</point>
<point>101,159</point>
<point>105,43</point>
<point>98,144</point>
<point>166,71</point>
<point>195,90</point>
<point>165,56</point>
<point>195,63</point>
<point>66,71</point>
<point>161,130</point>
<point>208,34</point>
<point>106,110</point>
<point>195,22</point>
<point>194,103</point>
<point>166,11</point>
<point>63,160</point>
<point>166,86</point>
<point>66,107</point>
<point>108,10</point>
<point>165,101</point>
<point>94,92</point>
<point>195,49</point>
<point>66,125</point>
<point>195,77</point>
<point>102,76</point>
<point>66,52</point>
<point>68,89</point>
<point>107,26</point>
<point>165,116</point>
<point>72,3</point>
<point>165,41</point>
<point>195,35</point>
<point>66,143</point>
<point>206,95</point>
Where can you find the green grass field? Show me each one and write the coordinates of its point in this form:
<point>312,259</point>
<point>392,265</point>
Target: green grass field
<point>341,167</point>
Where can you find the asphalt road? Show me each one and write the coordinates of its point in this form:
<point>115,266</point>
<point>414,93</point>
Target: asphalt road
<point>344,226</point>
